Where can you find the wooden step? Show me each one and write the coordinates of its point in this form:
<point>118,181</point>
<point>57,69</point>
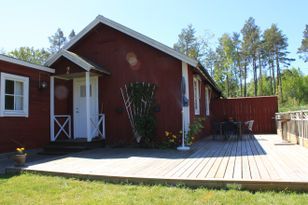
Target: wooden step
<point>61,147</point>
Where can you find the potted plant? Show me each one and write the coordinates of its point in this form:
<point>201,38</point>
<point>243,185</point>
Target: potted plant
<point>20,156</point>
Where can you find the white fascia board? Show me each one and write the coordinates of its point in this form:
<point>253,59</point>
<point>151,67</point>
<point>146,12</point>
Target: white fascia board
<point>128,31</point>
<point>26,64</point>
<point>79,62</point>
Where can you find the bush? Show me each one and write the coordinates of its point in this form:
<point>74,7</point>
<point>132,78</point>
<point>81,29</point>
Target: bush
<point>194,129</point>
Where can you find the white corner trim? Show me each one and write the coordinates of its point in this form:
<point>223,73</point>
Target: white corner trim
<point>26,64</point>
<point>14,113</point>
<point>186,110</point>
<point>128,31</point>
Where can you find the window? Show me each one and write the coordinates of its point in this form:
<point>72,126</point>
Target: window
<point>14,95</point>
<point>207,102</point>
<point>83,91</point>
<point>196,85</point>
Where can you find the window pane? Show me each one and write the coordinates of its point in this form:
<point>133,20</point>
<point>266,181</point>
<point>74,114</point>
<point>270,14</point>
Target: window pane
<point>9,102</point>
<point>19,103</point>
<point>9,87</point>
<point>19,88</point>
<point>83,91</point>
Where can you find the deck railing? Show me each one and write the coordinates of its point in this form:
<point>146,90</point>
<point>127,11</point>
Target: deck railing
<point>98,126</point>
<point>293,126</point>
<point>64,126</point>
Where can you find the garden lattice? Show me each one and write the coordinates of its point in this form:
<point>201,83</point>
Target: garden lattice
<point>139,101</point>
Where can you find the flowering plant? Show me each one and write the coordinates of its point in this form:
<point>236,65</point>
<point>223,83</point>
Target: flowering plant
<point>171,139</point>
<point>21,150</point>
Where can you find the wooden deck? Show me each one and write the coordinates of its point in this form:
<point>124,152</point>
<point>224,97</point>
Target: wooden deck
<point>263,161</point>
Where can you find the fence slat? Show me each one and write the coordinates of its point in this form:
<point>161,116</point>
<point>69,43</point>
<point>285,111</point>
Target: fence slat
<point>260,109</point>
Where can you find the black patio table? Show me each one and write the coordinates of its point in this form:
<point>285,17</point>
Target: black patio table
<point>228,128</point>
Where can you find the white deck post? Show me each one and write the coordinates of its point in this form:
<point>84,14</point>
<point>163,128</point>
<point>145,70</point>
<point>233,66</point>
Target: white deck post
<point>88,120</point>
<point>52,108</point>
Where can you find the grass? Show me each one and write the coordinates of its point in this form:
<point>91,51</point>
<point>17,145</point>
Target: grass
<point>37,189</point>
<point>287,107</point>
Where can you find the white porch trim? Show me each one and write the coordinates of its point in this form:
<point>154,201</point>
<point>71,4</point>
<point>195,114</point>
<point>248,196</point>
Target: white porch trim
<point>52,108</point>
<point>186,110</point>
<point>88,108</point>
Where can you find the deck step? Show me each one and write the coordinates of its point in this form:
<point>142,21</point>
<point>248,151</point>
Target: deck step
<point>62,147</point>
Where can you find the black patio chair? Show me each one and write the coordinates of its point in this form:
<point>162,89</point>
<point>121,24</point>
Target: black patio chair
<point>230,129</point>
<point>248,127</point>
<point>215,130</point>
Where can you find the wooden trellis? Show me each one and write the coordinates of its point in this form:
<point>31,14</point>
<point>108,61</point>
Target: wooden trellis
<point>138,100</point>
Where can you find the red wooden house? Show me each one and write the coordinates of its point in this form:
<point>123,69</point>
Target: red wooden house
<point>83,99</point>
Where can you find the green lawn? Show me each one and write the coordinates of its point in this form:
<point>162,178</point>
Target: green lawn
<point>36,189</point>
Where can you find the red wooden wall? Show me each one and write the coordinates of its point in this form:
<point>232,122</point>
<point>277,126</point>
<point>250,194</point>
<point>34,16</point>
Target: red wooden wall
<point>260,109</point>
<point>32,131</point>
<point>112,49</point>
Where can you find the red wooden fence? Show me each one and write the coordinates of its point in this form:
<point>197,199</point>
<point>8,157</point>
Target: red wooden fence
<point>260,109</point>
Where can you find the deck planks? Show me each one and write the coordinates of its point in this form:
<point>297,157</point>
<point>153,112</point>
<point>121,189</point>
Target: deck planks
<point>258,158</point>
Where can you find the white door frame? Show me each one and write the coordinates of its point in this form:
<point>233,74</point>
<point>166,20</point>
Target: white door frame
<point>89,105</point>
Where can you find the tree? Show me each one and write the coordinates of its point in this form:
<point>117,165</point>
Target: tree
<point>36,56</point>
<point>225,72</point>
<point>303,50</point>
<point>276,47</point>
<point>57,41</point>
<point>251,41</point>
<point>189,44</point>
<point>269,38</point>
<point>210,60</point>
<point>238,59</point>
<point>295,86</point>
<point>72,35</point>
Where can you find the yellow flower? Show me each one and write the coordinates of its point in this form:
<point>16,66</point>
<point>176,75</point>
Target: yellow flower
<point>180,132</point>
<point>174,136</point>
<point>167,133</point>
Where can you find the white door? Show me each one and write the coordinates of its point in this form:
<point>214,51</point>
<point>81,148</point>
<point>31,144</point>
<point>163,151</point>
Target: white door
<point>79,93</point>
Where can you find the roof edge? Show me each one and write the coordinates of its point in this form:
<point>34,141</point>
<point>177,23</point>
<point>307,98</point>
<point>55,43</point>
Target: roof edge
<point>128,31</point>
<point>25,63</point>
<point>78,60</point>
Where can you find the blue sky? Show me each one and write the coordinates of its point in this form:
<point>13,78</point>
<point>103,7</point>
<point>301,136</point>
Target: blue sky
<point>29,23</point>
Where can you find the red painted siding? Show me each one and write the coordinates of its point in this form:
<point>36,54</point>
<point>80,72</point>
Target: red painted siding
<point>260,109</point>
<point>111,49</point>
<point>33,131</point>
<point>207,119</point>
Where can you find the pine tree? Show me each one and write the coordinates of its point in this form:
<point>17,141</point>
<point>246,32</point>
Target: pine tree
<point>57,41</point>
<point>303,50</point>
<point>189,44</point>
<point>251,41</point>
<point>72,35</point>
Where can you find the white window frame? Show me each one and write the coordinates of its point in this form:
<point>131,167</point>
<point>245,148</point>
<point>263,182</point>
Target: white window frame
<point>14,113</point>
<point>196,86</point>
<point>207,101</point>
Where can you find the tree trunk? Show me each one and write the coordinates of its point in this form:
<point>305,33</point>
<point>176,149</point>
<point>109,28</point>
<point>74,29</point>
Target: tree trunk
<point>273,78</point>
<point>260,77</point>
<point>279,83</point>
<point>255,77</point>
<point>245,79</point>
<point>228,88</point>
<point>241,80</point>
<point>271,83</point>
